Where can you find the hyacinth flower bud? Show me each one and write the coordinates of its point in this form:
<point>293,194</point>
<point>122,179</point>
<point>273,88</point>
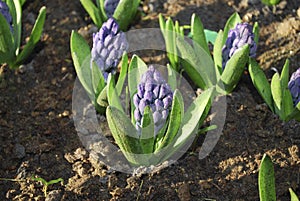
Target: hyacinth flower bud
<point>153,91</point>
<point>109,45</point>
<point>239,36</point>
<point>5,12</point>
<point>294,86</point>
<point>110,7</point>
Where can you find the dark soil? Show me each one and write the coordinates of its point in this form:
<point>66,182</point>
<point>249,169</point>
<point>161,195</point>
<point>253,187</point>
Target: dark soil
<point>38,138</point>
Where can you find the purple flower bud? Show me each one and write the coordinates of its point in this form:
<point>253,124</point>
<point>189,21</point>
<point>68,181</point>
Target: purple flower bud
<point>239,36</point>
<point>108,47</point>
<point>153,91</point>
<point>4,10</point>
<point>294,86</point>
<point>110,7</point>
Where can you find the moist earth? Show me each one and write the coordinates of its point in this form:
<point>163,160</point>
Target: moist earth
<point>38,138</point>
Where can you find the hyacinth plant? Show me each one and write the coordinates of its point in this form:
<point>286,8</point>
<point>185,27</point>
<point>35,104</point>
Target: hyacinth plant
<point>266,181</point>
<point>11,27</point>
<point>152,126</point>
<point>93,66</point>
<point>231,52</point>
<point>282,95</point>
<point>123,11</point>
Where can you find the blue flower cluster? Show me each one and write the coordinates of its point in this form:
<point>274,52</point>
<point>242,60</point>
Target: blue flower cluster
<point>108,47</point>
<point>153,91</point>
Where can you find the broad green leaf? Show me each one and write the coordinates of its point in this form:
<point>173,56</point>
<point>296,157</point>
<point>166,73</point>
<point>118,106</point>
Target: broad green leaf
<point>81,55</point>
<point>256,32</point>
<point>34,37</point>
<point>162,24</point>
<point>284,78</point>
<point>295,114</point>
<point>293,195</point>
<point>112,95</point>
<point>234,68</point>
<point>98,81</point>
<point>201,64</point>
<point>210,36</point>
<point>217,53</point>
<point>266,180</point>
<point>170,37</point>
<point>123,131</point>
<point>125,12</point>
<point>230,24</point>
<point>191,118</point>
<point>198,34</point>
<point>175,119</point>
<point>6,42</point>
<point>102,99</point>
<point>147,131</point>
<point>260,82</point>
<point>172,79</point>
<point>137,68</point>
<point>123,73</point>
<point>93,11</point>
<point>277,94</point>
<point>15,10</point>
<point>287,100</point>
<point>270,2</point>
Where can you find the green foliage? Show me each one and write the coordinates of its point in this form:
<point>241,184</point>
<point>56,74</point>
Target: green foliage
<point>47,183</point>
<point>266,180</point>
<point>10,41</point>
<point>124,13</point>
<point>276,95</point>
<point>147,148</point>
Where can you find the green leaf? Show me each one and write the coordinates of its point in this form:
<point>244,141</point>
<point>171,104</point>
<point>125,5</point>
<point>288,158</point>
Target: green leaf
<point>270,2</point>
<point>260,82</point>
<point>175,118</point>
<point>125,12</point>
<point>191,118</point>
<point>102,100</point>
<point>172,79</point>
<point>217,52</point>
<point>201,64</point>
<point>93,11</point>
<point>210,36</point>
<point>198,34</point>
<point>256,32</point>
<point>287,100</point>
<point>6,42</point>
<point>293,195</point>
<point>81,55</point>
<point>112,95</point>
<point>147,131</point>
<point>230,24</point>
<point>123,131</point>
<point>162,24</point>
<point>295,114</point>
<point>15,10</point>
<point>266,180</point>
<point>123,73</point>
<point>234,68</point>
<point>34,37</point>
<point>137,68</point>
<point>98,81</point>
<point>277,94</point>
<point>170,37</point>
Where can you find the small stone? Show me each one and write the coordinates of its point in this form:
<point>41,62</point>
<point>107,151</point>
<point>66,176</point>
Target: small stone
<point>298,12</point>
<point>184,192</point>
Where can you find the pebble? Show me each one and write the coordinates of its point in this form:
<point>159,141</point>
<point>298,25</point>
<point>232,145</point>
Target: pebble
<point>184,192</point>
